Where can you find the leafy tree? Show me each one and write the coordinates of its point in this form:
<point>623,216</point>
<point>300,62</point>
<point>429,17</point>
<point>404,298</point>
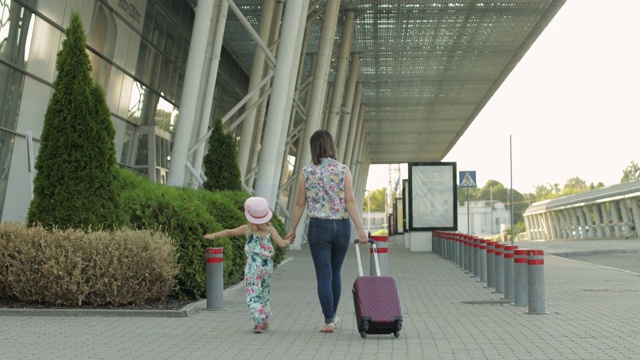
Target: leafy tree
<point>574,185</point>
<point>377,198</point>
<point>631,173</point>
<point>221,161</point>
<point>75,181</point>
<point>494,190</point>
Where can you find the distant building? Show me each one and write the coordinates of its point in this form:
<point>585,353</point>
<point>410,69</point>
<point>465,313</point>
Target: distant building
<point>483,218</point>
<point>612,212</point>
<point>374,220</point>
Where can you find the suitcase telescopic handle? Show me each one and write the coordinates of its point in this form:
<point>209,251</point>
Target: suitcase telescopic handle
<point>375,256</point>
<point>356,241</point>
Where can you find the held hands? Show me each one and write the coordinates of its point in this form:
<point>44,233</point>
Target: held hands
<point>291,237</point>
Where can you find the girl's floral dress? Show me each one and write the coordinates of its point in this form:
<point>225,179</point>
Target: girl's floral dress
<point>257,275</point>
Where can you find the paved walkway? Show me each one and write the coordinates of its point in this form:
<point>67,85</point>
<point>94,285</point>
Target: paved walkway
<point>592,313</point>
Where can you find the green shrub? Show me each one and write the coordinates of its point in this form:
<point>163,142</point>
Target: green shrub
<point>74,268</point>
<point>186,215</point>
<point>74,182</point>
<point>220,164</point>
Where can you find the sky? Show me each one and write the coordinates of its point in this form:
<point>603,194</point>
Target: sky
<point>568,109</point>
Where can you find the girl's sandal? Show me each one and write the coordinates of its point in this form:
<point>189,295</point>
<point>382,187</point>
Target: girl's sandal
<point>328,328</point>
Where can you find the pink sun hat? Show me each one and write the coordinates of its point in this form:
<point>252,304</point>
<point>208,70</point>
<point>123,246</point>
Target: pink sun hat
<point>256,210</point>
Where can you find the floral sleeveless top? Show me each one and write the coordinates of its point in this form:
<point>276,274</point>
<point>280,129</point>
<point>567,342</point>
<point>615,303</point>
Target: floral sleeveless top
<point>258,245</point>
<point>324,184</point>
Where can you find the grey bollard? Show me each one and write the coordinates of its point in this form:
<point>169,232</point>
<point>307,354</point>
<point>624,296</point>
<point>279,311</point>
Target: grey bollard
<point>509,283</point>
<point>499,268</point>
<point>535,272</point>
<point>476,255</point>
<point>491,264</point>
<point>215,278</point>
<point>463,247</point>
<point>382,249</point>
<point>483,260</point>
<point>521,277</point>
<point>453,248</point>
<point>460,250</point>
<point>469,253</point>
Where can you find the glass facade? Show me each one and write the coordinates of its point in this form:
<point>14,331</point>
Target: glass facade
<point>138,51</point>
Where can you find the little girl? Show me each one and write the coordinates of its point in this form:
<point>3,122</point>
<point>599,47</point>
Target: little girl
<point>259,250</point>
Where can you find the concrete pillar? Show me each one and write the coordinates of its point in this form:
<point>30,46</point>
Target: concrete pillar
<point>195,63</point>
<point>615,218</point>
<point>575,223</point>
<point>557,226</point>
<point>343,132</point>
<point>597,221</point>
<point>280,102</point>
<point>606,221</point>
<point>626,220</point>
<point>320,75</point>
<point>635,210</point>
<point>588,230</point>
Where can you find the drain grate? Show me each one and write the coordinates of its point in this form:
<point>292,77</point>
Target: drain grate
<point>609,290</point>
<point>488,302</point>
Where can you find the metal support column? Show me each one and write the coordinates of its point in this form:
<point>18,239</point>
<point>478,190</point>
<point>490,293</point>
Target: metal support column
<point>247,132</point>
<point>280,103</point>
<point>341,74</point>
<point>195,64</point>
<point>320,75</point>
<point>343,132</point>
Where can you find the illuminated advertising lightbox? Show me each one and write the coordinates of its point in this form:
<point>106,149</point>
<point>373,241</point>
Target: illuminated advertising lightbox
<point>433,196</point>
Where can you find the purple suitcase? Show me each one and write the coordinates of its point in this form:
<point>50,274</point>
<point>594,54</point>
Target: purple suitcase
<point>376,301</point>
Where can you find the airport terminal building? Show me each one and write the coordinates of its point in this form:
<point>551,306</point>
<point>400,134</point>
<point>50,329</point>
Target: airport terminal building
<point>394,82</point>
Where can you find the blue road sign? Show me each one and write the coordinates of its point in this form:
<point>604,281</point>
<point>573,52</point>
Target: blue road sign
<point>468,179</point>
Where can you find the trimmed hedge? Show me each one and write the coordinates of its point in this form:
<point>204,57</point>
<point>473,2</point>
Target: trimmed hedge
<point>73,267</point>
<point>186,215</point>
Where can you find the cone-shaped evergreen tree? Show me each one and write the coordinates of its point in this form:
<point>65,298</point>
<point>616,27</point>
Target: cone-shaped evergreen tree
<point>74,185</point>
<point>221,162</point>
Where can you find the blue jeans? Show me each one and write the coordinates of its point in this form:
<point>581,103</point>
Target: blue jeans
<point>328,242</point>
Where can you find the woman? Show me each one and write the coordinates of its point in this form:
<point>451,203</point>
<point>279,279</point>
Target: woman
<point>325,188</point>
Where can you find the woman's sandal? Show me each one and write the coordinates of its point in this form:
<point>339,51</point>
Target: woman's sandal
<point>328,328</point>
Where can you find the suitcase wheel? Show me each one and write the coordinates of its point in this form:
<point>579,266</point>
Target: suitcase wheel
<point>396,332</point>
<point>365,328</point>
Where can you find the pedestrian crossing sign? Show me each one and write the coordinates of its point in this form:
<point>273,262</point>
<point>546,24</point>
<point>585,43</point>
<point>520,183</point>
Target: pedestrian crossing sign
<point>468,179</point>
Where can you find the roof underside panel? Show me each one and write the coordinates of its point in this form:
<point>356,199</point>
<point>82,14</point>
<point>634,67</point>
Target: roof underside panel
<point>427,67</point>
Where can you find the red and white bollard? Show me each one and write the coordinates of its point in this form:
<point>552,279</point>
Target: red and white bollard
<point>382,248</point>
<point>509,282</point>
<point>535,266</point>
<point>521,277</point>
<point>215,278</point>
